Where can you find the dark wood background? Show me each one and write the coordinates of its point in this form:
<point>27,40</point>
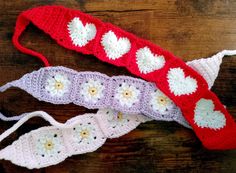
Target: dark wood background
<point>188,28</point>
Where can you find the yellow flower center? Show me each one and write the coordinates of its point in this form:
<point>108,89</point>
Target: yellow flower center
<point>119,116</point>
<point>84,133</point>
<point>59,85</point>
<point>48,145</point>
<point>127,94</point>
<point>92,91</point>
<point>162,100</point>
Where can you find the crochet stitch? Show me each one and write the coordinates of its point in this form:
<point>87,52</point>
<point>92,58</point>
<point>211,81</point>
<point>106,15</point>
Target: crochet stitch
<point>91,43</point>
<point>47,146</point>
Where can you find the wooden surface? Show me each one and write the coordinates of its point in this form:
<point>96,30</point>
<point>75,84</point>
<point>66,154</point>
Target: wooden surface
<point>188,28</point>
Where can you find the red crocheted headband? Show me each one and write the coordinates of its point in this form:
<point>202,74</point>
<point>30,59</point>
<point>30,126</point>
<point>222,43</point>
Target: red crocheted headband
<point>83,33</point>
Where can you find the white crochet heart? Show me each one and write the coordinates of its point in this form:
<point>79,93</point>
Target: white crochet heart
<point>147,61</point>
<point>114,47</point>
<point>179,84</point>
<point>80,34</point>
<point>205,116</point>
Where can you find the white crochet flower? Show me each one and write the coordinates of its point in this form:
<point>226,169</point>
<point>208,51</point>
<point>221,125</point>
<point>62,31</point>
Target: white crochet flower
<point>84,133</point>
<point>92,90</point>
<point>117,118</point>
<point>127,95</point>
<point>57,85</point>
<point>48,145</point>
<point>160,102</point>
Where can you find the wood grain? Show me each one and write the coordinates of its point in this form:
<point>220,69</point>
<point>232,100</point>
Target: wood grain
<point>189,28</point>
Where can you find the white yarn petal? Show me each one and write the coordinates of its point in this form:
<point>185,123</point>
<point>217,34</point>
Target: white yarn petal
<point>94,85</point>
<point>132,95</point>
<point>51,85</point>
<point>160,102</point>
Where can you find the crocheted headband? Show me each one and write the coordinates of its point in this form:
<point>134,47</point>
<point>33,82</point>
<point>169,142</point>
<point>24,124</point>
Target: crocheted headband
<point>77,31</point>
<point>85,133</point>
<point>60,85</point>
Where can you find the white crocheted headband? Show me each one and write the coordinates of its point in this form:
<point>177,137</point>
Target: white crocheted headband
<point>50,145</point>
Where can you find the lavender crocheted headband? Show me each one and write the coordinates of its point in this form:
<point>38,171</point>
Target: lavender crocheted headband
<point>93,90</point>
<point>60,85</point>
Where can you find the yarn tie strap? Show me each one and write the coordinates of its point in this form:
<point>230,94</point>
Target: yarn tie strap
<point>83,33</point>
<point>25,117</point>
